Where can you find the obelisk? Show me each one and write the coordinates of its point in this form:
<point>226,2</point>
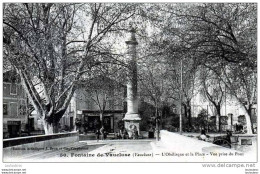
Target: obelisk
<point>132,117</point>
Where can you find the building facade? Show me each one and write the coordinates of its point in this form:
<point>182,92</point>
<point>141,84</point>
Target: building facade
<point>100,95</point>
<point>232,114</point>
<point>15,117</point>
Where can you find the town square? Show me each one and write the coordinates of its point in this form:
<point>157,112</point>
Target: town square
<point>129,82</point>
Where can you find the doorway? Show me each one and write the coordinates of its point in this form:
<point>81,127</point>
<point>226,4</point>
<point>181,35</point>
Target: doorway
<point>14,131</point>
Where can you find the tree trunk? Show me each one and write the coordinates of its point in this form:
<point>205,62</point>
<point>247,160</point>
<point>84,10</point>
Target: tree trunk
<point>101,120</point>
<point>189,115</point>
<point>157,123</point>
<point>48,127</point>
<point>185,110</point>
<point>248,119</point>
<point>249,111</point>
<point>102,128</point>
<point>219,117</point>
<point>51,123</point>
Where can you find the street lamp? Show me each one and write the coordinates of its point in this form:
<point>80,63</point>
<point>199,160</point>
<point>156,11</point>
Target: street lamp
<point>181,102</point>
<point>157,121</point>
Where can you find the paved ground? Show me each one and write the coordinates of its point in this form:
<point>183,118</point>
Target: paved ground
<point>90,151</point>
<point>141,150</point>
<point>129,146</point>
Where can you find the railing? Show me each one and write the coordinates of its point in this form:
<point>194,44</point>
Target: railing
<point>236,141</point>
<point>222,141</point>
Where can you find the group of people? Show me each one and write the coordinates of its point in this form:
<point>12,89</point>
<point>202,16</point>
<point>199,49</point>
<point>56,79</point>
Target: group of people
<point>123,134</point>
<point>204,137</point>
<point>101,134</point>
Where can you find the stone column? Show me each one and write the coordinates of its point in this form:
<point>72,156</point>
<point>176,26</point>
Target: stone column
<point>132,118</point>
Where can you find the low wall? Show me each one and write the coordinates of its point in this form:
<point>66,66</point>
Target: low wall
<point>15,147</point>
<point>245,142</point>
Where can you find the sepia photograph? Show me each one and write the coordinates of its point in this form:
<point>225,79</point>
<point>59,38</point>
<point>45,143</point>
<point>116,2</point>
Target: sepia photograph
<point>117,82</point>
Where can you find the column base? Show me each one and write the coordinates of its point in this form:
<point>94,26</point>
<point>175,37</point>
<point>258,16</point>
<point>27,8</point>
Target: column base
<point>132,123</point>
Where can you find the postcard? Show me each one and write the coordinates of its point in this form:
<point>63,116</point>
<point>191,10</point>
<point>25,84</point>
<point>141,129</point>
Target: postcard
<point>110,82</point>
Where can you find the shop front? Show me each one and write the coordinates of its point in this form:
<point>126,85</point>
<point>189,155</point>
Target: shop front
<point>92,122</point>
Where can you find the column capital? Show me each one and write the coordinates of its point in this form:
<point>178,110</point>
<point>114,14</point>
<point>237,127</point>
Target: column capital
<point>132,40</point>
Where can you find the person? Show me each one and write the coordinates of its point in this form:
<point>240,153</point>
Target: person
<point>105,134</point>
<point>97,134</point>
<point>102,132</point>
<point>241,128</point>
<point>118,136</point>
<point>236,127</point>
<point>135,132</point>
<point>121,133</point>
<point>125,134</point>
<point>203,136</point>
<point>151,132</point>
<point>229,135</point>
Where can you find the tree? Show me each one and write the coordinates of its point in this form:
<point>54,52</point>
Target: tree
<point>241,83</point>
<point>152,86</point>
<point>52,46</point>
<point>104,92</point>
<point>202,119</point>
<point>169,43</point>
<point>185,86</point>
<point>213,90</point>
<point>224,37</point>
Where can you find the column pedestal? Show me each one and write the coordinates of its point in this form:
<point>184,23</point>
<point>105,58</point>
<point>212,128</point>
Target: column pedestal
<point>132,121</point>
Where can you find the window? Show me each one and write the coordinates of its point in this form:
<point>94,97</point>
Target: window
<point>6,89</point>
<point>5,109</point>
<point>110,104</point>
<point>13,109</point>
<point>253,111</point>
<point>13,89</point>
